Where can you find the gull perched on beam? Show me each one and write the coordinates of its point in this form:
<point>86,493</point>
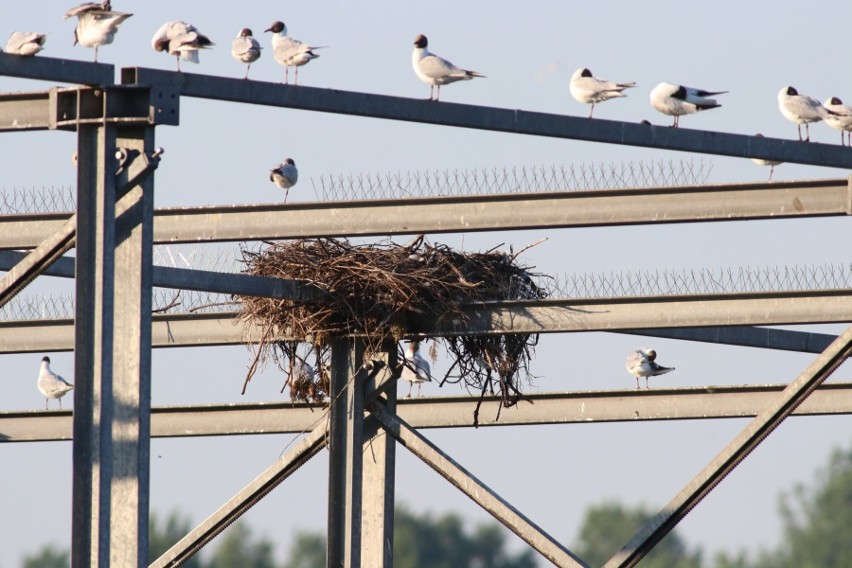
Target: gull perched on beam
<point>51,385</point>
<point>434,70</point>
<point>762,162</point>
<point>245,49</point>
<point>97,24</point>
<point>641,363</point>
<point>416,369</point>
<point>839,117</point>
<point>26,44</point>
<point>800,109</point>
<point>589,89</point>
<point>290,52</point>
<point>677,100</point>
<point>181,40</point>
<point>285,175</point>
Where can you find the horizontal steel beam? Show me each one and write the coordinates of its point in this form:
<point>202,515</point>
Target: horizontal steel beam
<point>519,211</point>
<point>488,118</point>
<point>746,336</point>
<point>544,316</point>
<point>56,70</point>
<point>455,412</point>
<point>191,279</point>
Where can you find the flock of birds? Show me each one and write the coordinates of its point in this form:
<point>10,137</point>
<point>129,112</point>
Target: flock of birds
<point>97,24</point>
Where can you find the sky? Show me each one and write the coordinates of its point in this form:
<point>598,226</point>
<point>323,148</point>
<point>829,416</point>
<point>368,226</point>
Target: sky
<point>221,154</point>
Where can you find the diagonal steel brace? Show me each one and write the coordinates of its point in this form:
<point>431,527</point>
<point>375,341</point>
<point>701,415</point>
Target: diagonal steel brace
<point>731,456</point>
<point>62,240</point>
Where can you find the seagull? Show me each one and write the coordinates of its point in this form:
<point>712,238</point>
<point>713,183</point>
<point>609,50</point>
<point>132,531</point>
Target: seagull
<point>50,384</point>
<point>589,89</point>
<point>839,117</point>
<point>25,43</point>
<point>416,369</point>
<point>800,109</point>
<point>97,24</point>
<point>285,175</point>
<point>181,40</point>
<point>290,52</point>
<point>435,70</point>
<point>245,49</point>
<point>762,162</point>
<point>641,363</point>
<point>676,100</point>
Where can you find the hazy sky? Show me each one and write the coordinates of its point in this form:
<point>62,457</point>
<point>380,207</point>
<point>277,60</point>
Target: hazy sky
<point>222,152</point>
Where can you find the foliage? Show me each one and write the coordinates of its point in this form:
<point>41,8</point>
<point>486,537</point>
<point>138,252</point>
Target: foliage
<point>609,526</point>
<point>308,551</point>
<point>160,539</point>
<point>48,557</point>
<point>239,548</point>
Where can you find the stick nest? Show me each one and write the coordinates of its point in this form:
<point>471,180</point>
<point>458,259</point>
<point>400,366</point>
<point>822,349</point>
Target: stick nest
<point>383,291</point>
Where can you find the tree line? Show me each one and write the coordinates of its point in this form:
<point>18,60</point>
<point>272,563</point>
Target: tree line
<point>816,533</point>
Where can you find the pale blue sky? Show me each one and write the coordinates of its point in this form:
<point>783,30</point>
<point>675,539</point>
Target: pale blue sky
<point>222,152</point>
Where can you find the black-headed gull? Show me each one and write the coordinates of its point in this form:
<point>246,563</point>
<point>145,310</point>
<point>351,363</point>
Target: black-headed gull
<point>245,49</point>
<point>97,24</point>
<point>676,100</point>
<point>800,109</point>
<point>416,369</point>
<point>290,52</point>
<point>762,162</point>
<point>640,363</point>
<point>434,70</point>
<point>589,89</point>
<point>25,43</point>
<point>839,117</point>
<point>285,175</point>
<point>181,40</point>
<point>50,384</point>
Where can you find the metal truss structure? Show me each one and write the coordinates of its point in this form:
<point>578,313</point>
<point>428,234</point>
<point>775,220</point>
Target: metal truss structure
<point>115,228</point>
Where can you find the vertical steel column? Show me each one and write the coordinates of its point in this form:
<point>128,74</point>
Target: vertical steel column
<point>346,436</point>
<point>112,351</point>
<point>379,466</point>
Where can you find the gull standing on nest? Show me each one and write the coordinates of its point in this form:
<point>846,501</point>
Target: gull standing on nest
<point>416,369</point>
<point>51,385</point>
<point>434,70</point>
<point>641,363</point>
<point>97,24</point>
<point>285,175</point>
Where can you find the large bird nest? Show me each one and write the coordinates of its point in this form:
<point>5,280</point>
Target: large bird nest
<point>388,291</point>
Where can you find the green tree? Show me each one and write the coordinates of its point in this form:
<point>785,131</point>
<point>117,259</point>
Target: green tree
<point>238,547</point>
<point>423,541</point>
<point>48,557</point>
<point>162,538</point>
<point>817,521</point>
<point>308,551</point>
<point>609,526</point>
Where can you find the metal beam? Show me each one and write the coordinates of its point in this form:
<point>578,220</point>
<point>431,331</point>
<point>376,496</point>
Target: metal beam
<point>478,492</point>
<point>730,457</point>
<point>191,279</point>
<point>545,316</point>
<point>488,118</point>
<point>583,407</point>
<point>280,470</point>
<point>433,215</point>
<point>745,336</point>
<point>345,445</point>
<point>56,70</point>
